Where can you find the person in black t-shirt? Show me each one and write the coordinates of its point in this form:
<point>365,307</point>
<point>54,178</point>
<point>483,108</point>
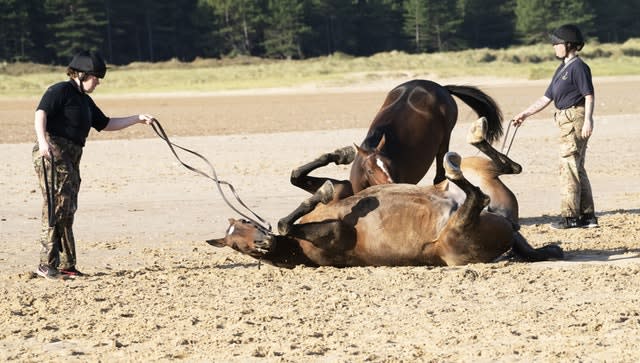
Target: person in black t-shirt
<point>63,119</point>
<point>571,90</point>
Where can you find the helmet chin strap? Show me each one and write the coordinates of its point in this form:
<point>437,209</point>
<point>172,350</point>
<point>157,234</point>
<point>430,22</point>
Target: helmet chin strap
<point>82,78</point>
<point>566,53</point>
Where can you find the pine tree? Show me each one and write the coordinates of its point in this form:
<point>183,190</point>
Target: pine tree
<point>416,24</point>
<point>81,26</point>
<point>284,29</point>
<point>433,24</point>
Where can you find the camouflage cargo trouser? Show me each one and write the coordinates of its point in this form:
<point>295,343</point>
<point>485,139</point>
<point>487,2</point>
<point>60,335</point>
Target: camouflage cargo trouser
<point>58,247</point>
<point>576,197</point>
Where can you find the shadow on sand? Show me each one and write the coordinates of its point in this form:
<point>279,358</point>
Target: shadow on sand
<point>615,255</point>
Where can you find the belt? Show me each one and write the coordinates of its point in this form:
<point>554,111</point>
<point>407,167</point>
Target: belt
<point>580,105</point>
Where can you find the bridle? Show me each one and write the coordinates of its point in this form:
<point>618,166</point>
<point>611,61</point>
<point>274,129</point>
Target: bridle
<point>260,223</point>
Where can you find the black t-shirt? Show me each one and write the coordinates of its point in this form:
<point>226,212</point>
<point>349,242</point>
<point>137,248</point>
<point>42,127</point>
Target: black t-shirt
<point>570,83</point>
<point>71,113</point>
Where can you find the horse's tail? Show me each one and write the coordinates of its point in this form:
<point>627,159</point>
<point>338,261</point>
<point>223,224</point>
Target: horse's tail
<point>484,105</point>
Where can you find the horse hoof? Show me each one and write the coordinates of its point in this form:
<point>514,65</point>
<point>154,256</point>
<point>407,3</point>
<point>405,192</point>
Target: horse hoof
<point>283,227</point>
<point>451,165</point>
<point>477,131</point>
<point>325,192</point>
<point>346,155</point>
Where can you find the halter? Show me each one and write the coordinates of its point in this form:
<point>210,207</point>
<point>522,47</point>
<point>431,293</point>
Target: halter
<point>261,224</point>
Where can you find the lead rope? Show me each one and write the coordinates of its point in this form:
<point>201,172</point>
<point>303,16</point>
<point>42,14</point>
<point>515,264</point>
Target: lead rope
<point>50,191</point>
<point>506,136</point>
<point>157,128</point>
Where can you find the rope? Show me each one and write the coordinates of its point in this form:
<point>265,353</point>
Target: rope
<point>506,136</point>
<point>50,191</point>
<point>261,223</point>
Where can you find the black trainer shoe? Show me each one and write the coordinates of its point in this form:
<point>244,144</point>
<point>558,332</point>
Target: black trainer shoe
<point>566,223</point>
<point>589,221</point>
<point>71,272</point>
<point>47,272</point>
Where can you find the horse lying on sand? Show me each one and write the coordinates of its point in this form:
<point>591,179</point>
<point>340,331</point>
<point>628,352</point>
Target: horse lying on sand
<point>413,126</point>
<point>451,223</point>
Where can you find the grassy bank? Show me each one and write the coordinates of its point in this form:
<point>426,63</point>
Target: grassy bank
<point>210,75</point>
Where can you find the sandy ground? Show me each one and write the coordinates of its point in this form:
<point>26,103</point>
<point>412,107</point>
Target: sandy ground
<point>157,292</point>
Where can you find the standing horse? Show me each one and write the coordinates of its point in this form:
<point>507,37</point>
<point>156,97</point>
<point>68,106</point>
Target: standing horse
<point>398,224</point>
<point>413,127</point>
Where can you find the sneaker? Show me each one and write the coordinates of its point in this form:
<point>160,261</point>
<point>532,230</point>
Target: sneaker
<point>47,272</point>
<point>589,221</point>
<point>71,272</point>
<point>566,223</point>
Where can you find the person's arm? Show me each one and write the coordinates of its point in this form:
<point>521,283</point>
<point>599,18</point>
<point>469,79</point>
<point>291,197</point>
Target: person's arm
<point>119,123</point>
<point>535,107</point>
<point>587,128</point>
<point>40,124</point>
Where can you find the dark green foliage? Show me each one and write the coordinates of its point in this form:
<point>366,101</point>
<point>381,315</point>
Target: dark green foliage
<point>50,31</point>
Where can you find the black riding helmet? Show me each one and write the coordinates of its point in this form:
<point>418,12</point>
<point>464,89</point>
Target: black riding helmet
<point>89,63</point>
<point>567,34</point>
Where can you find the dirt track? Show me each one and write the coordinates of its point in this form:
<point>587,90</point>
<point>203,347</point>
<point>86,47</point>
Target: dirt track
<point>158,292</point>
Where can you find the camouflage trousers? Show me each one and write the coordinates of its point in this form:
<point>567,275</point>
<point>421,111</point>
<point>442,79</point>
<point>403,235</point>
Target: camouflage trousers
<point>58,246</point>
<point>576,197</point>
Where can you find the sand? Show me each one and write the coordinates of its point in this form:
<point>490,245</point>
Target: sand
<point>157,292</point>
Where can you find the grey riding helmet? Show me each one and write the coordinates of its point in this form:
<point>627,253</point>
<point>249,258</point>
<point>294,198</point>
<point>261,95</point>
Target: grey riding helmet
<point>89,63</point>
<point>567,34</point>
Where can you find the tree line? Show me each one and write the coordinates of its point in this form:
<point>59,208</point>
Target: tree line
<point>124,31</point>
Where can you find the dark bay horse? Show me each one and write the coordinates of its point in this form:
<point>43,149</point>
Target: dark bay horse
<point>451,223</point>
<point>413,127</point>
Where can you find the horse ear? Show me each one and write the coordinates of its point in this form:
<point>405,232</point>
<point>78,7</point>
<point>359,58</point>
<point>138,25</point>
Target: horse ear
<point>360,151</point>
<point>381,144</point>
<point>218,242</point>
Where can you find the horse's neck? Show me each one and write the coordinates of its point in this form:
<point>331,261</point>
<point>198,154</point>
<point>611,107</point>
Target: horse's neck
<point>287,253</point>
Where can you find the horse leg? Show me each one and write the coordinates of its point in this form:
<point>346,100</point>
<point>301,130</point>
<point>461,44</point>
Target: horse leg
<point>524,250</point>
<point>323,194</point>
<point>476,200</point>
<point>440,172</point>
<point>470,234</point>
<point>300,176</point>
<point>477,137</point>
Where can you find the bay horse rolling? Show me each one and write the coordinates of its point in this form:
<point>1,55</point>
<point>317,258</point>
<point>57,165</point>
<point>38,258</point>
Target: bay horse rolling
<point>413,127</point>
<point>398,224</point>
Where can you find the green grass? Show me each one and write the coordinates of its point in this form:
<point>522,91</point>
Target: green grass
<point>210,75</point>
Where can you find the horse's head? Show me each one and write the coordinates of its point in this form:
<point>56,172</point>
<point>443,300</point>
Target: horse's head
<point>376,168</point>
<point>246,237</point>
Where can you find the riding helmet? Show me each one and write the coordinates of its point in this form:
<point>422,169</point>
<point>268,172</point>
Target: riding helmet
<point>90,63</point>
<point>567,33</point>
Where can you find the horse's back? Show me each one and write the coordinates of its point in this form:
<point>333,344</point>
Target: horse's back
<point>415,103</point>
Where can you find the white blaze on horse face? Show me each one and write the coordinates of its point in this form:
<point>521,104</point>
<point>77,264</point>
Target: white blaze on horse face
<point>381,165</point>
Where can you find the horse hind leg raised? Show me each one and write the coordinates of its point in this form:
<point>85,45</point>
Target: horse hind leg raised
<point>471,235</point>
<point>487,173</point>
<point>475,200</point>
<point>477,137</point>
<point>519,245</point>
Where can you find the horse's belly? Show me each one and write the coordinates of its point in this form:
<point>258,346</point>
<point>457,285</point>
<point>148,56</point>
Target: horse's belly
<point>403,229</point>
